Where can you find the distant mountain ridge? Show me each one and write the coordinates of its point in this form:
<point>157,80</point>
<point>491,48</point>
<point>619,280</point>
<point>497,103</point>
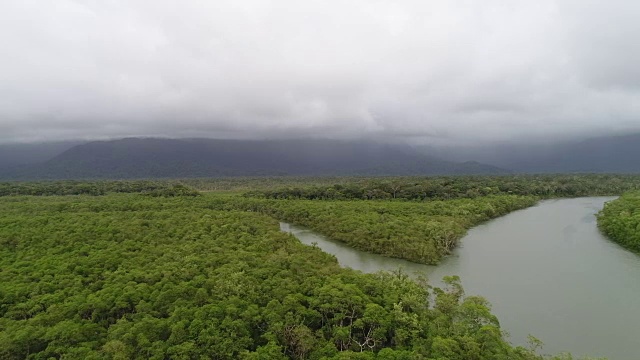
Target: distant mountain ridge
<point>603,154</point>
<point>609,154</point>
<point>24,154</point>
<point>174,158</point>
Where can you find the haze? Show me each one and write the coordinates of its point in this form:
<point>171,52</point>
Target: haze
<point>424,72</point>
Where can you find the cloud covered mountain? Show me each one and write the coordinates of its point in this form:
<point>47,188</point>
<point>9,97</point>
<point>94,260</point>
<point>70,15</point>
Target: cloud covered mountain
<point>173,158</point>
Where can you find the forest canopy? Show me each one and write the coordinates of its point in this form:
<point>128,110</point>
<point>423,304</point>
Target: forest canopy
<point>126,276</point>
<point>620,220</point>
<point>421,232</point>
<point>443,187</point>
<point>96,188</point>
<point>158,270</point>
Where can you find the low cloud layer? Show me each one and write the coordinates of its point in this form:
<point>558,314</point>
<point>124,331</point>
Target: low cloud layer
<point>450,71</point>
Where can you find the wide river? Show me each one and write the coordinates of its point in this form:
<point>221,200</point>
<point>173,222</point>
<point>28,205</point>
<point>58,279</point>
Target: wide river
<point>546,270</point>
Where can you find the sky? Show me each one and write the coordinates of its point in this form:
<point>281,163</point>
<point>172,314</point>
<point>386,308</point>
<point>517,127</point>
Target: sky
<point>423,72</point>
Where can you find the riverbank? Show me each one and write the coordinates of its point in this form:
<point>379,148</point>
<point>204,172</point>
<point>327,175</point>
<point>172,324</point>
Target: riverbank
<point>129,276</point>
<point>422,232</point>
<point>536,267</point>
<point>620,220</point>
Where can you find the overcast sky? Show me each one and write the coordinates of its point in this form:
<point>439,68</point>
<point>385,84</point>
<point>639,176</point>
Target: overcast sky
<point>427,71</point>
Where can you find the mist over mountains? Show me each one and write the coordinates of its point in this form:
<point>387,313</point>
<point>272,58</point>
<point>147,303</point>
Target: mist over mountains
<point>175,158</point>
<point>606,154</point>
<point>172,158</point>
<point>32,153</point>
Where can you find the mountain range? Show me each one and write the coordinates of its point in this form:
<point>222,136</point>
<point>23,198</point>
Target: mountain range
<point>180,158</point>
<point>603,154</point>
<point>175,158</point>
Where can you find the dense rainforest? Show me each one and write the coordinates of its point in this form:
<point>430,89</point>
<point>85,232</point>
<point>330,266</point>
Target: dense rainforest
<point>127,276</point>
<point>620,220</point>
<point>442,187</point>
<point>428,216</point>
<point>158,270</point>
<point>421,232</point>
<point>145,187</point>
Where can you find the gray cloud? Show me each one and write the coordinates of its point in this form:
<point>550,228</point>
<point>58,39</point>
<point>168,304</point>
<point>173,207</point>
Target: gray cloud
<point>451,71</point>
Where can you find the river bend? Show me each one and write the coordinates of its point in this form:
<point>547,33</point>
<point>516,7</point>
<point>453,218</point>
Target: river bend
<point>546,270</point>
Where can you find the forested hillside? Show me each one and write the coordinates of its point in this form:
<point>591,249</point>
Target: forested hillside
<point>187,158</point>
<point>127,276</point>
<point>620,220</point>
<point>191,158</point>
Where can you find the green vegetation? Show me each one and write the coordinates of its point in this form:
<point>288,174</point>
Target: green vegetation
<point>620,220</point>
<point>426,188</point>
<point>421,232</point>
<point>155,270</point>
<point>421,223</point>
<point>95,188</point>
<point>126,276</point>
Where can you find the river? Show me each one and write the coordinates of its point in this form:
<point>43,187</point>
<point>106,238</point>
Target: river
<point>546,270</point>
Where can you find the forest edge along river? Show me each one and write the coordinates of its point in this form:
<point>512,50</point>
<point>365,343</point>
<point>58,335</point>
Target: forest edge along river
<point>547,271</point>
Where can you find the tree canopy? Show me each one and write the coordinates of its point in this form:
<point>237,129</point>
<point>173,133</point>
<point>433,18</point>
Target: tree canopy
<point>620,220</point>
<point>126,276</point>
<point>156,270</point>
